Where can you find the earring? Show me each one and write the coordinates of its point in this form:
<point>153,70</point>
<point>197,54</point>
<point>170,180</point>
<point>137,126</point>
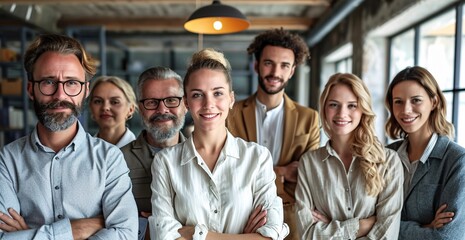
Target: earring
<point>129,117</point>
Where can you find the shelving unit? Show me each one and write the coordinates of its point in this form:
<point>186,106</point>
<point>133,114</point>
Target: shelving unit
<point>15,39</point>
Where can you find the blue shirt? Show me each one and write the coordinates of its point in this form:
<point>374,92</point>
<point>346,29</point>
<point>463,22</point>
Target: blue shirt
<point>87,178</point>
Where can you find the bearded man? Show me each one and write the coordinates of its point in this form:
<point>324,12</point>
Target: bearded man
<point>159,93</point>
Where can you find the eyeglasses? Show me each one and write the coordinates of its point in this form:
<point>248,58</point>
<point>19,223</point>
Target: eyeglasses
<point>49,87</point>
<point>152,103</point>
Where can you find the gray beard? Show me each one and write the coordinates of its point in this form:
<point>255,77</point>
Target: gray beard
<point>162,135</point>
<point>56,121</point>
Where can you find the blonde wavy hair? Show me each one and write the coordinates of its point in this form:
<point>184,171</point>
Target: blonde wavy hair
<point>437,120</point>
<point>364,143</point>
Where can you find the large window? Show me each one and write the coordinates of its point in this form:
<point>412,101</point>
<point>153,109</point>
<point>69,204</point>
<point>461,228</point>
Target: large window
<point>432,44</point>
<point>402,48</point>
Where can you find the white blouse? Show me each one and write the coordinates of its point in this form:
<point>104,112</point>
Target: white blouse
<point>186,192</point>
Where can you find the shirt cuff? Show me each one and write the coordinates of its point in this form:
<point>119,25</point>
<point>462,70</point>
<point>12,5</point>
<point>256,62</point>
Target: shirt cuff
<point>200,233</point>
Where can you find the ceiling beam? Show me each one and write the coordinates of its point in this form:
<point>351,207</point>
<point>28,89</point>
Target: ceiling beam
<point>229,2</point>
<point>159,24</point>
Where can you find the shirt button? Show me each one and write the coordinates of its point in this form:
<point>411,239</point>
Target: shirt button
<point>200,233</point>
<point>216,211</point>
<point>60,216</point>
<point>349,209</point>
<point>57,158</point>
<point>56,187</point>
<point>347,189</point>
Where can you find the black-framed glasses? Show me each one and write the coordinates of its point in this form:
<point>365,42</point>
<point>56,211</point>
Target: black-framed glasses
<point>48,87</point>
<point>152,103</point>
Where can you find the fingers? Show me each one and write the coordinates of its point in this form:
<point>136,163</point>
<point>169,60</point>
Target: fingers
<point>442,217</point>
<point>441,209</point>
<point>256,219</point>
<point>13,223</point>
<point>145,214</point>
<point>18,218</point>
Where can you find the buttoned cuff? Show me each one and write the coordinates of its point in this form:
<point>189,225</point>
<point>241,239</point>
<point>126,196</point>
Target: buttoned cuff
<point>201,232</point>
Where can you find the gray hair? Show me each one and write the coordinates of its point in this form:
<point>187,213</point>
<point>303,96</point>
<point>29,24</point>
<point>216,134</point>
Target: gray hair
<point>158,73</point>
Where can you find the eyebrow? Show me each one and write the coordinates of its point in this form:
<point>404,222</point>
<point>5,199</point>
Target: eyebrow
<point>200,90</point>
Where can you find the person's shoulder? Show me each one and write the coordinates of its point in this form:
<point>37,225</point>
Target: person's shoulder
<point>15,147</point>
<point>453,149</point>
<point>315,153</point>
<point>300,108</point>
<point>245,101</point>
<point>395,145</point>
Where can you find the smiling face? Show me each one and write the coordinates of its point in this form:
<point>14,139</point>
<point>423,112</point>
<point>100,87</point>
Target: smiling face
<point>412,107</point>
<point>342,112</point>
<point>109,106</point>
<point>58,111</point>
<point>209,99</point>
<point>275,68</point>
<point>162,123</point>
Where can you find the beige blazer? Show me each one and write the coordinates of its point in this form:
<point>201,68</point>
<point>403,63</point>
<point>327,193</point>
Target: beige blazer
<point>301,133</point>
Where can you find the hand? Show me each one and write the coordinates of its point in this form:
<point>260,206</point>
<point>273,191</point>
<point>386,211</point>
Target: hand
<point>145,214</point>
<point>365,225</point>
<point>14,223</point>
<point>320,217</point>
<point>288,172</point>
<point>441,218</point>
<point>86,227</point>
<point>256,220</point>
<point>187,232</point>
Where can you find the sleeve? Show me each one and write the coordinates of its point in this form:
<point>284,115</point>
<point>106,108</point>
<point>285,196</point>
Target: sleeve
<point>307,228</point>
<point>162,223</point>
<point>453,194</point>
<point>314,141</point>
<point>118,204</point>
<point>389,203</point>
<point>265,195</point>
<point>8,199</point>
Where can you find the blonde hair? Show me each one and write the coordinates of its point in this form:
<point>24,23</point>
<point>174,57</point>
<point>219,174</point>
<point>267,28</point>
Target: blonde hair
<point>209,58</point>
<point>363,142</point>
<point>123,85</point>
<point>437,120</point>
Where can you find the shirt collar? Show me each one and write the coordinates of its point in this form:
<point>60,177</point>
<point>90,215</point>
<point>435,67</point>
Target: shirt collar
<point>424,157</point>
<point>263,108</point>
<point>77,141</point>
<point>230,149</point>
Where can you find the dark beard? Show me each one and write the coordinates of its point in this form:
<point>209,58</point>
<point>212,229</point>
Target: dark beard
<point>57,121</point>
<point>261,83</point>
<point>161,134</point>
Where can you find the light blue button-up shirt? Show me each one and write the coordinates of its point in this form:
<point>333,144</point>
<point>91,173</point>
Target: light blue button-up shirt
<point>87,178</point>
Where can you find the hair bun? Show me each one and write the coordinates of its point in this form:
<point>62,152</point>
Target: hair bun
<point>210,54</point>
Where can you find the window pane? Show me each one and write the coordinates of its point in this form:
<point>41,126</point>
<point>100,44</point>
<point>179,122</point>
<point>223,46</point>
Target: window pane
<point>437,48</point>
<point>461,127</point>
<point>462,59</point>
<point>401,53</point>
<point>449,100</point>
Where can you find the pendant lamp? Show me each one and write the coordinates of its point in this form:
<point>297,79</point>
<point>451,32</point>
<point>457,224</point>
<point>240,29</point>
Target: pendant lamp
<point>216,18</point>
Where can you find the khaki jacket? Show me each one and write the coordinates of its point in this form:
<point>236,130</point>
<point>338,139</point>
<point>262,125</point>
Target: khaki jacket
<point>301,133</point>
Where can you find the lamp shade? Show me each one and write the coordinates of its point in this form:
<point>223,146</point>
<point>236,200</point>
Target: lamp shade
<point>216,18</point>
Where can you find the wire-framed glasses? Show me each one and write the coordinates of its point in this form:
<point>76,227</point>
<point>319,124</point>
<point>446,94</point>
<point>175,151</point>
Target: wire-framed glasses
<point>49,87</point>
<point>152,103</point>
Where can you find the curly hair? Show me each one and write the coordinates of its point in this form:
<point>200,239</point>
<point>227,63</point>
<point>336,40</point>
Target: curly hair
<point>60,44</point>
<point>437,120</point>
<point>280,38</point>
<point>364,143</point>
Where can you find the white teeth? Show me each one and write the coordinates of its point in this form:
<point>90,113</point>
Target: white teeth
<point>408,119</point>
<point>209,115</point>
<point>341,123</point>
